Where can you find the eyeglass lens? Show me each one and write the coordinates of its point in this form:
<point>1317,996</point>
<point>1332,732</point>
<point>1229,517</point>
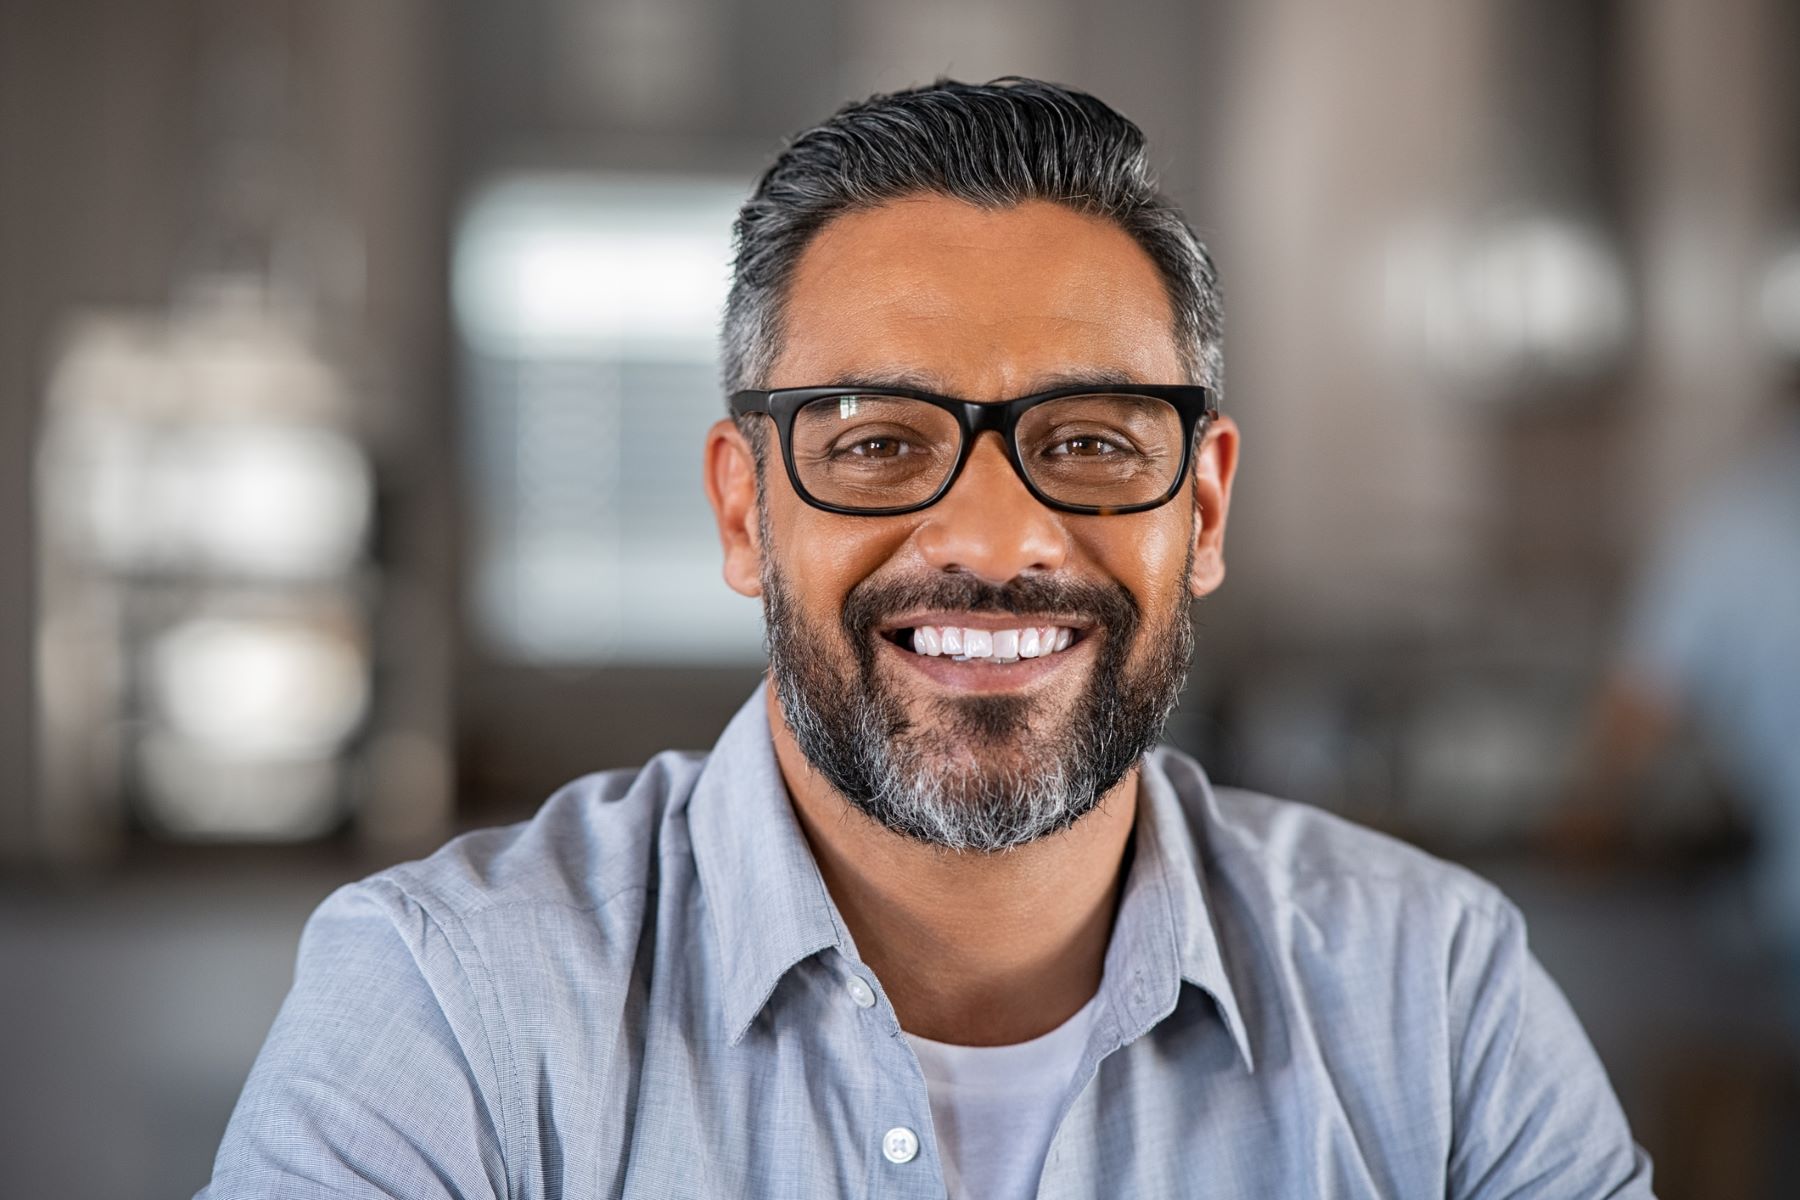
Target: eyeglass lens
<point>872,451</point>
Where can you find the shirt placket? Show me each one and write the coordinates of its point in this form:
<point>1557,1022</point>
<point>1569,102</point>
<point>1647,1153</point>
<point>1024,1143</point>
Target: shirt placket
<point>901,1146</point>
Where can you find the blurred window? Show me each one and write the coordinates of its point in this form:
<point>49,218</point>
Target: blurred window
<point>588,310</point>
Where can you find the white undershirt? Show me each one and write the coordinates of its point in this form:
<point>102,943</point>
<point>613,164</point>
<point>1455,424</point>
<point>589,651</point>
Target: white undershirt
<point>994,1108</point>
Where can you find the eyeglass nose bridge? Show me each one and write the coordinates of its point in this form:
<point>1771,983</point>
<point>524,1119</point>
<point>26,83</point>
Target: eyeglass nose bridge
<point>998,419</point>
<point>987,418</point>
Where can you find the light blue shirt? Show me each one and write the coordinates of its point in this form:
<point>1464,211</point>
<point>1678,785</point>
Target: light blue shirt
<point>646,991</point>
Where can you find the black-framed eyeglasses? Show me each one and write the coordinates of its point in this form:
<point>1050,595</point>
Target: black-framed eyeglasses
<point>884,451</point>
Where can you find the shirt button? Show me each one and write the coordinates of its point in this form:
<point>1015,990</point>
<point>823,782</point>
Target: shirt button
<point>900,1144</point>
<point>860,992</point>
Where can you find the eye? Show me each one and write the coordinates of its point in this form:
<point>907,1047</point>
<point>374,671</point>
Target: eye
<point>1085,445</point>
<point>876,447</point>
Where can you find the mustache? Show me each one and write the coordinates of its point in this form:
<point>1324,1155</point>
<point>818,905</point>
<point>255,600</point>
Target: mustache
<point>874,602</point>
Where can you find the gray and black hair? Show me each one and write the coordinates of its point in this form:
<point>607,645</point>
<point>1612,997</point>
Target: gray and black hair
<point>994,145</point>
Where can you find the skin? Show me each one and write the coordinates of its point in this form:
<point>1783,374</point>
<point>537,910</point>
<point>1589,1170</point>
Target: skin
<point>986,305</point>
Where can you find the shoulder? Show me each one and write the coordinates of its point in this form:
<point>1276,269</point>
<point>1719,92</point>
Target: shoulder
<point>589,859</point>
<point>1298,849</point>
<point>596,838</point>
<point>424,996</point>
<point>1397,952</point>
<point>1296,866</point>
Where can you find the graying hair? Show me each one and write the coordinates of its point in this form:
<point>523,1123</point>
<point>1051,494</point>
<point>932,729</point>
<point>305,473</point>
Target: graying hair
<point>994,145</point>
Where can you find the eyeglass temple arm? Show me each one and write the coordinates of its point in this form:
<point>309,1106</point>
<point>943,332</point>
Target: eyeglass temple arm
<point>749,401</point>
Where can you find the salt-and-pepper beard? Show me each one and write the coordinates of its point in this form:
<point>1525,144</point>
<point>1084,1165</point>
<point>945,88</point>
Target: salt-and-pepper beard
<point>980,773</point>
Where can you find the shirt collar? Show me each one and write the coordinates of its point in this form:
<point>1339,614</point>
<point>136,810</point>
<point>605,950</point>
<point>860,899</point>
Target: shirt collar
<point>771,910</point>
<point>769,905</point>
<point>1164,934</point>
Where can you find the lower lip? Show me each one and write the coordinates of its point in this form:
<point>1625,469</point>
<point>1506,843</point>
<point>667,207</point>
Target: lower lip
<point>979,676</point>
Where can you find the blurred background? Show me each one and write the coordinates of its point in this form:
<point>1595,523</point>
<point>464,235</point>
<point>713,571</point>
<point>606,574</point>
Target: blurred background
<point>355,356</point>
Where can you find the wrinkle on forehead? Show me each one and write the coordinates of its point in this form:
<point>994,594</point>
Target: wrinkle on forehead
<point>983,303</point>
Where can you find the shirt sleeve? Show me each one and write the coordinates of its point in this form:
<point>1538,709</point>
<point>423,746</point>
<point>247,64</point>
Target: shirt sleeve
<point>377,1078</point>
<point>1535,1117</point>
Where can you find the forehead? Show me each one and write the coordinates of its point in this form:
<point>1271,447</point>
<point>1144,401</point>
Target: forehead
<point>980,303</point>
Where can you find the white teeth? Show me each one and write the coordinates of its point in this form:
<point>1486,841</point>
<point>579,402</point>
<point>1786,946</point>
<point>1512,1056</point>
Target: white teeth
<point>995,645</point>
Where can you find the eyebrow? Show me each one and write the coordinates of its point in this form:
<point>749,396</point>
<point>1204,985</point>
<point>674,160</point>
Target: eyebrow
<point>914,379</point>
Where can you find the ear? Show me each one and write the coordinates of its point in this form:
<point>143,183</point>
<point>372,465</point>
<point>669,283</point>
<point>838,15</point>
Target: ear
<point>731,489</point>
<point>1215,465</point>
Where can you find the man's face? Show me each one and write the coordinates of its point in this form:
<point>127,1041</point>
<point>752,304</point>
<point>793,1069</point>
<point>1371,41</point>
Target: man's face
<point>983,305</point>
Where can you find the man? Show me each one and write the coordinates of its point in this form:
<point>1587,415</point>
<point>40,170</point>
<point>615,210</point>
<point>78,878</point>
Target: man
<point>933,916</point>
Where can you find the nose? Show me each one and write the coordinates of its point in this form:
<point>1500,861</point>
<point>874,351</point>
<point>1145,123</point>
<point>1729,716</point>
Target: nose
<point>987,523</point>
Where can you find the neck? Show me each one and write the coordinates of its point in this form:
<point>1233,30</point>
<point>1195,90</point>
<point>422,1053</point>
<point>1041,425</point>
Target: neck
<point>972,949</point>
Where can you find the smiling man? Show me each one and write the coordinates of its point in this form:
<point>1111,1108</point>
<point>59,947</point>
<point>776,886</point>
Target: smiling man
<point>935,916</point>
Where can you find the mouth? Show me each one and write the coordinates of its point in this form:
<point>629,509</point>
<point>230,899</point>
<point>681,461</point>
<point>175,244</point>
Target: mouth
<point>982,640</point>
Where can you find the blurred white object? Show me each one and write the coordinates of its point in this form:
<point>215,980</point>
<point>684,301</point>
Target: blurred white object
<point>205,514</point>
<point>588,307</point>
<point>1537,296</point>
<point>195,792</point>
<point>258,688</point>
<point>250,720</point>
<point>172,449</point>
<point>1546,294</point>
<point>595,268</point>
<point>283,502</point>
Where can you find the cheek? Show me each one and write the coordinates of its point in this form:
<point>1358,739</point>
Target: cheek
<point>823,555</point>
<point>1145,552</point>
